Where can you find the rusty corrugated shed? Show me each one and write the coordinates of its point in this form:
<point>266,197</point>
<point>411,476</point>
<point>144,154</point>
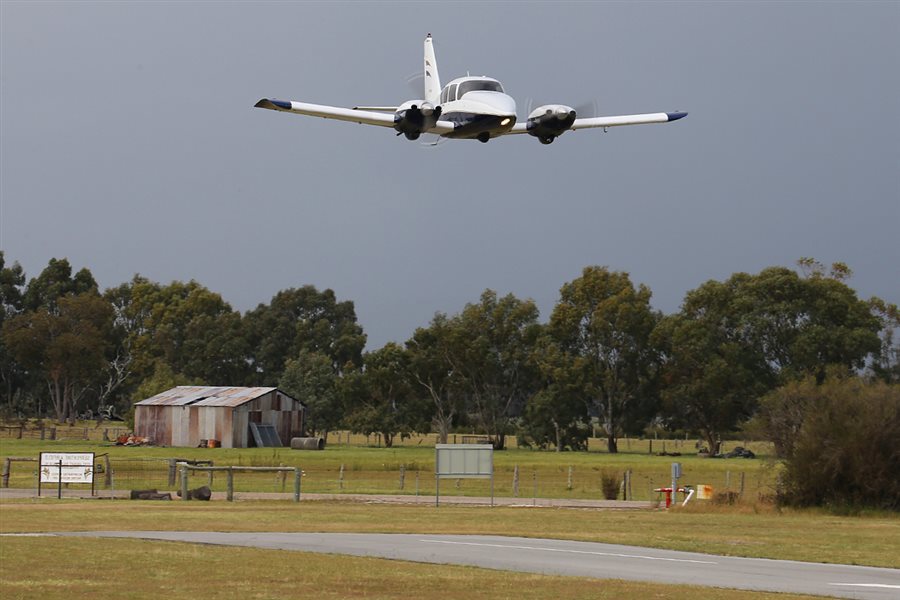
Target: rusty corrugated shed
<point>193,395</point>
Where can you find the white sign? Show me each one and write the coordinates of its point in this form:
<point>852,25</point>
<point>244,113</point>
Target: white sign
<point>458,461</point>
<point>77,467</point>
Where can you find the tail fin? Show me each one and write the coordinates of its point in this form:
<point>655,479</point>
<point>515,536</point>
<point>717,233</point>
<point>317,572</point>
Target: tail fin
<point>432,79</point>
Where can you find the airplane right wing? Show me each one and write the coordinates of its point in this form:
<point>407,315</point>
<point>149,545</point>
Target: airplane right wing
<point>364,117</point>
<point>382,116</point>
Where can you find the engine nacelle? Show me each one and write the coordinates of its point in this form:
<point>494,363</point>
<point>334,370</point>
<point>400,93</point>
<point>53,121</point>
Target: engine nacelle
<point>549,121</point>
<point>415,117</point>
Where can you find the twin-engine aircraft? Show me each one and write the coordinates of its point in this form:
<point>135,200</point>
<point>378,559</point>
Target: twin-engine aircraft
<point>466,108</point>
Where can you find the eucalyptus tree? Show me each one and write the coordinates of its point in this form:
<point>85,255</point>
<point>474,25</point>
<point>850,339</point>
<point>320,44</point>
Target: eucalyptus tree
<point>379,398</point>
<point>602,320</point>
<point>431,369</point>
<point>65,344</point>
<point>12,286</point>
<point>733,341</point>
<point>491,343</point>
<point>302,319</point>
<point>310,378</point>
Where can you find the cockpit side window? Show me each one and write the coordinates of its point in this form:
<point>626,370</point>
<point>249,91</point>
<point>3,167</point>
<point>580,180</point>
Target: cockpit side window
<point>444,94</point>
<point>479,85</point>
<point>451,94</point>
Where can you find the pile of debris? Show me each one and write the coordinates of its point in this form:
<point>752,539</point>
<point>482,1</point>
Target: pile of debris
<point>738,452</point>
<point>129,439</point>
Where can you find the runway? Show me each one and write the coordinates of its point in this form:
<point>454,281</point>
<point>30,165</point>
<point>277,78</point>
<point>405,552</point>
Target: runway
<point>559,557</point>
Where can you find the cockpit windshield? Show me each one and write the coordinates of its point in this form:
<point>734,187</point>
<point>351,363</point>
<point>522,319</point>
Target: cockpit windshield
<point>485,85</point>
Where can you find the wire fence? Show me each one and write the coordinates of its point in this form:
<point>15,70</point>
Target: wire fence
<point>511,482</point>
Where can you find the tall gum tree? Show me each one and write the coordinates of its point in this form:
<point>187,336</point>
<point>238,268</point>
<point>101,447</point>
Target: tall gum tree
<point>604,321</point>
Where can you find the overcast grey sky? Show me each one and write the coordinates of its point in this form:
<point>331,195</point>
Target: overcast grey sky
<point>128,143</point>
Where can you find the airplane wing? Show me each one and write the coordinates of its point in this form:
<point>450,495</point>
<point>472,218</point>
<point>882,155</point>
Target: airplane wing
<point>374,115</point>
<point>616,121</point>
<point>366,117</point>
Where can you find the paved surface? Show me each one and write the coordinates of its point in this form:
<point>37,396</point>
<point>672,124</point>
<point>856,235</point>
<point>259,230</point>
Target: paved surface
<point>587,559</point>
<point>364,498</point>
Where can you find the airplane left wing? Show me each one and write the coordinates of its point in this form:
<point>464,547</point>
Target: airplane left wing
<point>617,121</point>
<point>627,120</point>
<point>365,117</point>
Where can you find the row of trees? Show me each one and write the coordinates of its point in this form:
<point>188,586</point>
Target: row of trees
<point>605,355</point>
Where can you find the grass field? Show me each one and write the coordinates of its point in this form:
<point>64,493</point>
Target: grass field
<point>129,569</point>
<point>58,569</point>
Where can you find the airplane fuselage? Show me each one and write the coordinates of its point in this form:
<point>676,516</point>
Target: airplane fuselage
<point>478,107</point>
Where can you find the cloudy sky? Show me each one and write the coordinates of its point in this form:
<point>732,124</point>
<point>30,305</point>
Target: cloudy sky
<point>129,144</point>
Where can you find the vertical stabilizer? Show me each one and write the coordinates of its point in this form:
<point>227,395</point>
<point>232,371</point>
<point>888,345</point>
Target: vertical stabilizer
<point>432,79</point>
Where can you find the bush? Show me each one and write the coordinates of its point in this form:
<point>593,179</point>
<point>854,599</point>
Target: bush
<point>846,451</point>
<point>609,483</point>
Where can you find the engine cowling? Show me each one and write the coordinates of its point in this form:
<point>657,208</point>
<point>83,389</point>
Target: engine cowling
<point>415,117</point>
<point>548,122</point>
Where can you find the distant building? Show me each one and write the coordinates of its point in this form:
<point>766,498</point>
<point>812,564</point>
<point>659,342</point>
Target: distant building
<point>187,415</point>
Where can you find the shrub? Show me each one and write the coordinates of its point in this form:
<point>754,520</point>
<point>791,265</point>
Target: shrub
<point>846,450</point>
<point>609,483</point>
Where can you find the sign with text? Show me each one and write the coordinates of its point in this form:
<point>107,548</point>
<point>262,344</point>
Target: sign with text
<point>77,467</point>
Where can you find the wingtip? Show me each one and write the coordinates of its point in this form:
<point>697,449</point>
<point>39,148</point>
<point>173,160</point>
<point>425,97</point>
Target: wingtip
<point>674,116</point>
<point>273,104</point>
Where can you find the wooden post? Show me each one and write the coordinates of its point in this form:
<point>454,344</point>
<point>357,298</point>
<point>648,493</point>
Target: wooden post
<point>741,495</point>
<point>184,483</point>
<point>651,447</point>
<point>5,476</point>
<point>534,486</point>
<point>229,495</point>
<point>516,481</point>
<point>86,437</point>
<point>341,477</point>
<point>630,489</point>
<point>53,434</point>
<point>42,433</point>
<point>107,476</point>
<point>569,481</point>
<point>21,431</point>
<point>172,470</point>
<point>402,475</point>
<point>297,475</point>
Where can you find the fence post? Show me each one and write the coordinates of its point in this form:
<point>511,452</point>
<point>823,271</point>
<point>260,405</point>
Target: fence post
<point>341,478</point>
<point>184,482</point>
<point>229,494</point>
<point>651,447</point>
<point>5,476</point>
<point>107,479</point>
<point>21,431</point>
<point>516,481</point>
<point>42,433</point>
<point>297,475</point>
<point>86,437</point>
<point>569,480</point>
<point>741,495</point>
<point>402,476</point>
<point>534,487</point>
<point>172,462</point>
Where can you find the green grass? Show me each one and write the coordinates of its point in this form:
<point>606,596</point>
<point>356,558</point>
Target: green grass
<point>377,470</point>
<point>737,531</point>
<point>62,568</point>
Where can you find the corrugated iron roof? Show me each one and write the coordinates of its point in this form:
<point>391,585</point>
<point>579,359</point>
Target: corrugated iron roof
<point>184,395</point>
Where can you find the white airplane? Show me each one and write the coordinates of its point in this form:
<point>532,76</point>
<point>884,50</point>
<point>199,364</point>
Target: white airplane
<point>466,108</point>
